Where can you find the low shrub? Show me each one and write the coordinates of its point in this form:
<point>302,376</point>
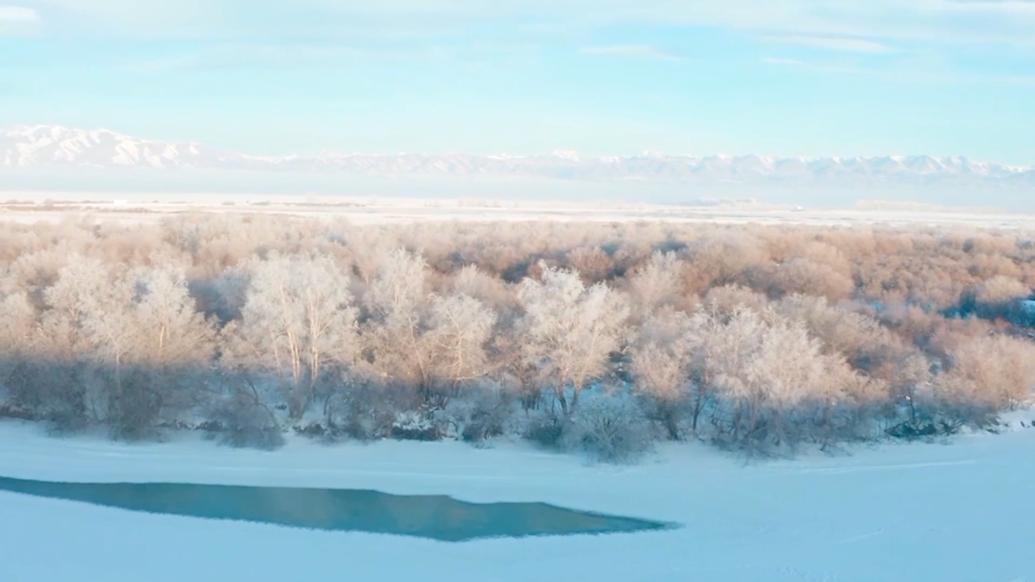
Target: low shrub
<point>478,414</point>
<point>243,421</point>
<point>610,427</point>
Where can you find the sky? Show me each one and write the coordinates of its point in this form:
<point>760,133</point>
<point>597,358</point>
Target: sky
<point>814,78</point>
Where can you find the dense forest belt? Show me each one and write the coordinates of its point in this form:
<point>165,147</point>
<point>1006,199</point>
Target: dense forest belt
<point>602,337</point>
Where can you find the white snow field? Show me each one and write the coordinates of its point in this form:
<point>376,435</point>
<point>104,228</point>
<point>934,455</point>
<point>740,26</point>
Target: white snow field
<point>30,207</point>
<point>958,511</point>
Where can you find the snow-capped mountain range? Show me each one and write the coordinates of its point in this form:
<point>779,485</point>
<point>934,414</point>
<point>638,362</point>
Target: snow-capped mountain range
<point>49,145</point>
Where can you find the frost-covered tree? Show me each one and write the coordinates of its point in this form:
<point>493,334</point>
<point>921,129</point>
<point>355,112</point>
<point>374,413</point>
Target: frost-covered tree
<point>766,369</point>
<point>109,324</point>
<point>17,324</point>
<point>569,331</point>
<point>474,282</point>
<point>662,358</point>
<point>144,328</point>
<point>657,283</point>
<point>59,355</point>
<point>459,330</point>
<point>723,301</point>
<point>169,328</point>
<point>868,346</point>
<point>394,334</point>
<point>67,303</point>
<point>298,319</point>
<point>1000,289</point>
<point>17,327</point>
<point>433,342</point>
<point>988,373</point>
<point>805,333</point>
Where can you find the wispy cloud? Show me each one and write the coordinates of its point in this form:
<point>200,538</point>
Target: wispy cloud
<point>1002,6</point>
<point>897,74</point>
<point>642,51</point>
<point>17,20</point>
<point>254,55</point>
<point>833,43</point>
<point>13,18</point>
<point>818,67</point>
<point>784,61</point>
<point>941,21</point>
<point>17,14</point>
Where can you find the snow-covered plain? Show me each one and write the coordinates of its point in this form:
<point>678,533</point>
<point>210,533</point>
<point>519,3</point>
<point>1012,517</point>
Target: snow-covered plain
<point>961,510</point>
<point>29,207</point>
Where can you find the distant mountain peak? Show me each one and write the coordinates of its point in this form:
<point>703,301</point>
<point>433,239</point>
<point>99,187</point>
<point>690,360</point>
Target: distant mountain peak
<point>27,146</point>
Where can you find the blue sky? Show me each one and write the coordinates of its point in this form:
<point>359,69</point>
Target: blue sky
<point>939,77</point>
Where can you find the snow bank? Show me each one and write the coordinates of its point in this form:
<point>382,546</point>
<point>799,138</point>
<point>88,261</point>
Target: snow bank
<point>893,512</point>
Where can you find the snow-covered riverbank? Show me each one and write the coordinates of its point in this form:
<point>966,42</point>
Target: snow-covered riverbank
<point>959,511</point>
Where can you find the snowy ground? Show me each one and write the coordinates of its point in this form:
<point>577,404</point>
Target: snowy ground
<point>962,511</point>
<point>32,207</point>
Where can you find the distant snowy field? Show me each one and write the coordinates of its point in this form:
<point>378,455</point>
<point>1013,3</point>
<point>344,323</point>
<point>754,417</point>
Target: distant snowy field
<point>947,512</point>
<point>150,208</point>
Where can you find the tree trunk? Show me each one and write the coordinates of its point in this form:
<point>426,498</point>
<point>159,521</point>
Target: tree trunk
<point>564,402</point>
<point>698,405</point>
<point>669,415</point>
